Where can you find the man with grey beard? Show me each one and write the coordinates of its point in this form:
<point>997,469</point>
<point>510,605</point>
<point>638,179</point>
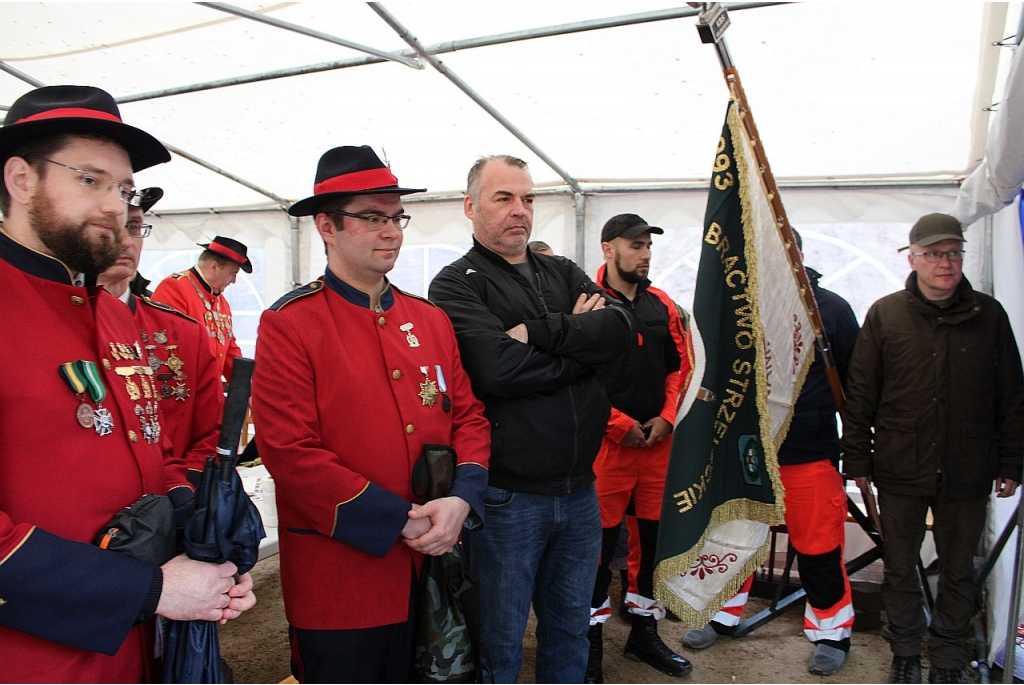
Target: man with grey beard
<point>79,430</point>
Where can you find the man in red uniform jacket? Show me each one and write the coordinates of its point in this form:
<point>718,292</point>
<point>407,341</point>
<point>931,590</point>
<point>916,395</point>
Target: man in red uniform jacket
<point>73,447</point>
<point>199,292</point>
<point>188,388</point>
<point>353,379</point>
<point>643,385</point>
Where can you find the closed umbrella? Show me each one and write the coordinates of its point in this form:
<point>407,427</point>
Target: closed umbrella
<point>226,526</point>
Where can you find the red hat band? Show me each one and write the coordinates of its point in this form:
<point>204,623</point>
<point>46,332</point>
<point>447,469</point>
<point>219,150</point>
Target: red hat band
<point>356,181</point>
<point>227,252</point>
<point>70,112</point>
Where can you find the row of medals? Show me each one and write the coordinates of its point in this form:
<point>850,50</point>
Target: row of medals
<point>145,389</point>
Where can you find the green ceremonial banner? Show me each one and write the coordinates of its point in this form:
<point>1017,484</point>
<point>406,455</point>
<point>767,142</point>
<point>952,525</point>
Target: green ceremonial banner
<point>752,344</point>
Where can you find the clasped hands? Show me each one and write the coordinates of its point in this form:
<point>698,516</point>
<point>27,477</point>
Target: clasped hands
<point>433,528</point>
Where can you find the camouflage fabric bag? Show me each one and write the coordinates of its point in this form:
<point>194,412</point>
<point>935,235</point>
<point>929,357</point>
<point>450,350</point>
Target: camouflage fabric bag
<point>444,651</point>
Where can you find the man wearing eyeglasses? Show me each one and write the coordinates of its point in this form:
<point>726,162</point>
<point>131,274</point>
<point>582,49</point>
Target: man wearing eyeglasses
<point>354,381</point>
<point>934,414</point>
<point>76,445</point>
<point>186,379</point>
<point>199,292</point>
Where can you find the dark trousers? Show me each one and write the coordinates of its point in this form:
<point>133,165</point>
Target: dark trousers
<point>957,529</point>
<point>645,577</point>
<point>383,654</point>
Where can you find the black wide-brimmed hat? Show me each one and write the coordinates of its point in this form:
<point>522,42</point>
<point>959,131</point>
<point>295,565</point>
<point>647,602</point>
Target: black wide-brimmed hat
<point>346,171</point>
<point>150,196</point>
<point>230,248</point>
<point>53,110</point>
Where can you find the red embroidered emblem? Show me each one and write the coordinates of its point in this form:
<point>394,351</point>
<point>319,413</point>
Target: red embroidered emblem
<point>710,564</point>
<point>798,343</point>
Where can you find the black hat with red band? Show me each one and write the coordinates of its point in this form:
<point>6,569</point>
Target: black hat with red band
<point>149,197</point>
<point>54,110</point>
<point>346,171</point>
<point>229,248</point>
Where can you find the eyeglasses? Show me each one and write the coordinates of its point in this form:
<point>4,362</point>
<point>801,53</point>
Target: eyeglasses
<point>100,182</point>
<point>139,230</point>
<point>936,257</point>
<point>376,221</point>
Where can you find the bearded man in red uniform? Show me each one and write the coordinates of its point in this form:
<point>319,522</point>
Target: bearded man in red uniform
<point>187,382</point>
<point>353,379</point>
<point>199,292</point>
<point>73,437</point>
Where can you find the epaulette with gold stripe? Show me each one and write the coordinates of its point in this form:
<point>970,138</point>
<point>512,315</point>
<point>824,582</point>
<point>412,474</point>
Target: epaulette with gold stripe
<point>166,308</point>
<point>415,297</point>
<point>179,274</point>
<point>298,293</point>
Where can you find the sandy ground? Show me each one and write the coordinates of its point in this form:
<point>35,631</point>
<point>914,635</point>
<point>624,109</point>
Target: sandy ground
<point>256,647</point>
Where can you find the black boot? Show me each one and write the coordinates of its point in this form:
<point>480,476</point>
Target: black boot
<point>624,575</point>
<point>594,672</point>
<point>645,645</point>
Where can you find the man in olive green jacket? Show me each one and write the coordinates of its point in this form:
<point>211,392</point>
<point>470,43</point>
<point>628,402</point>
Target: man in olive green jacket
<point>934,414</point>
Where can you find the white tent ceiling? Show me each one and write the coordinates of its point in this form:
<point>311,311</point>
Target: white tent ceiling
<point>839,90</point>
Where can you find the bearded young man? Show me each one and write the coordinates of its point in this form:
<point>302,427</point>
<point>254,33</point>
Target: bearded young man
<point>643,385</point>
<point>72,438</point>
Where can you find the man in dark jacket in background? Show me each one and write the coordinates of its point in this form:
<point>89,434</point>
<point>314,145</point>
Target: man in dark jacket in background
<point>936,374</point>
<point>531,330</point>
<point>815,501</point>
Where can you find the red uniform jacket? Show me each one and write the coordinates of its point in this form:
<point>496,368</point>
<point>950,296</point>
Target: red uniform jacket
<point>190,391</point>
<point>344,400</point>
<point>67,608</point>
<point>188,291</point>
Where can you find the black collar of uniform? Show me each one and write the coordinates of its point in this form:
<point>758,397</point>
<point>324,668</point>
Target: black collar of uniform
<point>202,281</point>
<point>140,286</point>
<point>34,263</point>
<point>357,296</point>
<point>812,275</point>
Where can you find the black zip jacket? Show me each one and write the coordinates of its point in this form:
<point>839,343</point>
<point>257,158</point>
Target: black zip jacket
<point>812,433</point>
<point>635,381</point>
<point>547,408</point>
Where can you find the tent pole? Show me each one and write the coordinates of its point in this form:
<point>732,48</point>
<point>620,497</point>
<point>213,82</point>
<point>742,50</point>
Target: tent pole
<point>708,20</point>
<point>293,222</point>
<point>579,203</point>
<point>288,26</point>
<point>36,83</point>
<point>437,49</point>
<point>473,95</point>
<point>226,174</point>
<point>1013,618</point>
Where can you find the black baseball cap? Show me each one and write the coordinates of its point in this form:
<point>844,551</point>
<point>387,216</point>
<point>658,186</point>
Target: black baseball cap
<point>626,226</point>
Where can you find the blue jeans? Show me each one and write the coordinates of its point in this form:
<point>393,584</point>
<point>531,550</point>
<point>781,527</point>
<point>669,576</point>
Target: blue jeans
<point>544,549</point>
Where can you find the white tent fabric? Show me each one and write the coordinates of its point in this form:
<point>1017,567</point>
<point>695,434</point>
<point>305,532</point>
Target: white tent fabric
<point>993,185</point>
<point>996,181</point>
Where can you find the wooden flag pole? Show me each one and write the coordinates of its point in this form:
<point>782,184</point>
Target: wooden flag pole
<point>712,25</point>
<point>713,22</point>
